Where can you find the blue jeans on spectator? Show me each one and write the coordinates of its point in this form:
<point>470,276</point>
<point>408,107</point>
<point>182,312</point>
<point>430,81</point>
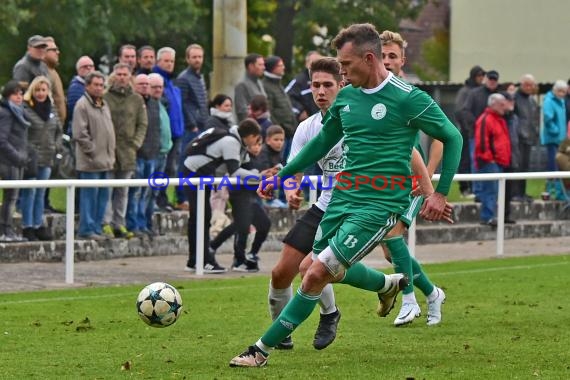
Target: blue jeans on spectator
<point>186,138</point>
<point>141,199</point>
<point>475,185</point>
<point>92,204</point>
<point>32,201</point>
<point>488,192</point>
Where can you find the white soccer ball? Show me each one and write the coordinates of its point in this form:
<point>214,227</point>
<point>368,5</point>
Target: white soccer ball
<point>159,304</point>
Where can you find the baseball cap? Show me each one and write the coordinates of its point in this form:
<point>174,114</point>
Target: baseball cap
<point>37,41</point>
<point>493,74</point>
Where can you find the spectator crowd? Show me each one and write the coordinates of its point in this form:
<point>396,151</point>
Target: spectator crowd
<point>142,116</point>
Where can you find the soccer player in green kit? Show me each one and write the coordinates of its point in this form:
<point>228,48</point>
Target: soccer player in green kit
<point>393,58</point>
<point>379,117</point>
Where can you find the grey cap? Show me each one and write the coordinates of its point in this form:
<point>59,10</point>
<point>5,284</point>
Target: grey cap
<point>37,41</point>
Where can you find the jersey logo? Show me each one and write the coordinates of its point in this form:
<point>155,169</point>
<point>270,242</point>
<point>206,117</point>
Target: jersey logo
<point>346,108</point>
<point>378,111</point>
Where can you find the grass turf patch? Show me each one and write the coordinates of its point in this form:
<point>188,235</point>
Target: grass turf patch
<point>503,319</point>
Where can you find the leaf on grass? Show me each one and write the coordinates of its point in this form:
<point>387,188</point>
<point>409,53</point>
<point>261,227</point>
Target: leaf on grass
<point>466,346</point>
<point>515,338</point>
<point>67,323</point>
<point>126,366</point>
<point>169,361</point>
<point>86,321</point>
<point>36,323</point>
<point>85,325</point>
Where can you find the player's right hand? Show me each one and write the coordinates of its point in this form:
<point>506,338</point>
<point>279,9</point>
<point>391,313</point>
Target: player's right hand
<point>266,186</point>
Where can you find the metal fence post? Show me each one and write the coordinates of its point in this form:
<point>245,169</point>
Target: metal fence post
<point>200,212</point>
<point>70,234</point>
<point>501,217</point>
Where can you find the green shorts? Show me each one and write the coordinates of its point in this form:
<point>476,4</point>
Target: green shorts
<point>352,235</point>
<point>412,211</point>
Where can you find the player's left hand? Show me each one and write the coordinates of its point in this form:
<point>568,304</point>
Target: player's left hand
<point>436,207</point>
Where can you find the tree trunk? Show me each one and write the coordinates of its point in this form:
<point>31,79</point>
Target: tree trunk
<point>283,32</point>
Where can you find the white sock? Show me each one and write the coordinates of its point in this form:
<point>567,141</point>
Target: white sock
<point>327,301</point>
<point>409,298</point>
<point>433,295</point>
<point>263,347</point>
<point>277,299</point>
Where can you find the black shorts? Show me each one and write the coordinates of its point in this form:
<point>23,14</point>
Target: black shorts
<point>302,235</point>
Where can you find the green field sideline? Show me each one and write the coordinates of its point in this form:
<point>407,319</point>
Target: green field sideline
<point>504,319</point>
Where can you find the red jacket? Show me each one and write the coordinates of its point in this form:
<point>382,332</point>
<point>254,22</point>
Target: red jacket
<point>492,142</point>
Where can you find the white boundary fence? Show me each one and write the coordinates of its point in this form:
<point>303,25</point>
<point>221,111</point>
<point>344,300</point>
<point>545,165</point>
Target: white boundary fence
<point>72,184</point>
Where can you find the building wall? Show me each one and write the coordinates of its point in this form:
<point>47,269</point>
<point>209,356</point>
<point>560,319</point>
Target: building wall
<point>512,36</point>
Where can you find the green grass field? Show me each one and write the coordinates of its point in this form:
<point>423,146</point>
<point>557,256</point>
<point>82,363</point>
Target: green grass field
<point>504,319</point>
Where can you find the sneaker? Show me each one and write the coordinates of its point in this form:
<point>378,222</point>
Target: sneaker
<point>387,299</point>
<point>43,234</point>
<point>246,267</point>
<point>122,232</point>
<point>11,236</point>
<point>107,231</point>
<point>434,308</point>
<point>286,344</point>
<point>214,268</point>
<point>190,269</point>
<point>252,357</point>
<point>252,257</point>
<point>30,234</point>
<point>408,313</point>
<point>326,331</point>
<point>491,223</point>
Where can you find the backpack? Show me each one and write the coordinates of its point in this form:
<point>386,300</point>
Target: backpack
<point>64,167</point>
<point>200,143</point>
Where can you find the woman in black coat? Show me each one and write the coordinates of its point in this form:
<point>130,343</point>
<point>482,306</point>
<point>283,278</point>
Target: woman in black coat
<point>13,154</point>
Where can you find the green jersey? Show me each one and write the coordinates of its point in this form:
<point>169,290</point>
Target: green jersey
<point>380,127</point>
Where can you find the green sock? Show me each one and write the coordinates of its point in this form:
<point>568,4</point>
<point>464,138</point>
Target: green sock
<point>363,277</point>
<point>421,280</point>
<point>401,259</point>
<point>296,311</point>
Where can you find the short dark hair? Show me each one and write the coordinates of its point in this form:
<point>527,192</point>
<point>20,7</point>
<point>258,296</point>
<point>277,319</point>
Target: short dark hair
<point>364,37</point>
<point>93,74</point>
<point>259,103</point>
<point>127,46</point>
<point>326,65</point>
<point>249,127</point>
<point>219,99</point>
<point>143,48</point>
<point>274,130</point>
<point>251,58</point>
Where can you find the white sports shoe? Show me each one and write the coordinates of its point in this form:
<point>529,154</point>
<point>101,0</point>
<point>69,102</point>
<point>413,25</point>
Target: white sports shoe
<point>387,299</point>
<point>408,313</point>
<point>434,308</point>
<point>252,357</point>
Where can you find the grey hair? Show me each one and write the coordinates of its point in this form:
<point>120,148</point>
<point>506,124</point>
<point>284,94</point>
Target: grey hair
<point>152,76</point>
<point>560,85</point>
<point>163,50</point>
<point>494,98</point>
<point>528,78</point>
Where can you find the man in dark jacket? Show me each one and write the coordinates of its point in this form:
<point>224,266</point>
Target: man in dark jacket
<point>141,200</point>
<point>492,153</point>
<point>280,107</point>
<point>526,108</point>
<point>299,90</point>
<point>474,105</point>
<point>32,65</point>
<point>476,75</point>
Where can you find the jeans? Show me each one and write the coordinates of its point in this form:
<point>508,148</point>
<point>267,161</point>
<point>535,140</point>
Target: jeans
<point>9,198</point>
<point>160,196</point>
<point>92,204</point>
<point>141,199</point>
<point>32,201</point>
<point>475,185</point>
<point>488,192</point>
